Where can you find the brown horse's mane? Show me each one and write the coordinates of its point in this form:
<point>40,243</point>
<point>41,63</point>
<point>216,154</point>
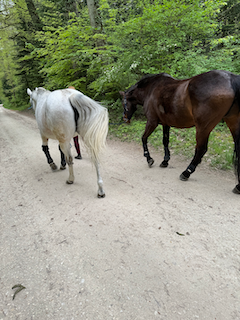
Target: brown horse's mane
<point>149,78</point>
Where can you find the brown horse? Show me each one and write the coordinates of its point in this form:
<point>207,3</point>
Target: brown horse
<point>202,101</point>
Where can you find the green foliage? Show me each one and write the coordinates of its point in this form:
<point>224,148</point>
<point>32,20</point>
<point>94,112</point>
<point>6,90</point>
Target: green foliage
<point>158,40</point>
<point>65,55</point>
<point>134,37</point>
<point>177,37</point>
<point>19,69</point>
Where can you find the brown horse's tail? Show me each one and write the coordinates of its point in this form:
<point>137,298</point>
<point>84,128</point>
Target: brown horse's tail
<point>236,88</point>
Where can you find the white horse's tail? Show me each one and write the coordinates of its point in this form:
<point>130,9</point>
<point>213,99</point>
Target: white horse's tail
<point>92,123</point>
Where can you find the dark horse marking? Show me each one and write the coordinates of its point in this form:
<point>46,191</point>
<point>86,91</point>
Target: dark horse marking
<point>201,101</point>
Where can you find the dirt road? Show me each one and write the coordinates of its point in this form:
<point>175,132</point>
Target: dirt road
<point>154,248</point>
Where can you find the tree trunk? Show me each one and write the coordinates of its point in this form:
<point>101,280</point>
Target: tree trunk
<point>37,23</point>
<point>92,9</point>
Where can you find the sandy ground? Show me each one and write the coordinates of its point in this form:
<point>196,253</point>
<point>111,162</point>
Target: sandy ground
<point>154,248</point>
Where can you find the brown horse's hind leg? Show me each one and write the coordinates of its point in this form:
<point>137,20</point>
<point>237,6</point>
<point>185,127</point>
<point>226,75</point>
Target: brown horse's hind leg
<point>201,149</point>
<point>150,127</point>
<point>233,124</point>
<point>166,130</point>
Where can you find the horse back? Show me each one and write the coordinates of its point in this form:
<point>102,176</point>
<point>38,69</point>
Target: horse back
<point>170,103</point>
<point>207,97</point>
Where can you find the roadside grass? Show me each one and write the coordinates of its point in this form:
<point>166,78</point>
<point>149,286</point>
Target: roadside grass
<point>182,141</point>
<point>16,108</point>
<point>14,103</point>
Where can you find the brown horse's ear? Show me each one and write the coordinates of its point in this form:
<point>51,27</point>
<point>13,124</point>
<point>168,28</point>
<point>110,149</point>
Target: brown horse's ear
<point>121,93</point>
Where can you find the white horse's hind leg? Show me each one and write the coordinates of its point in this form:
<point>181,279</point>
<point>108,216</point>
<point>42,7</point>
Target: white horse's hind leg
<point>101,193</point>
<point>63,161</point>
<point>65,147</point>
<point>47,154</point>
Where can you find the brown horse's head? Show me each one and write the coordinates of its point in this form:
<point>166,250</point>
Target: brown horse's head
<point>129,106</point>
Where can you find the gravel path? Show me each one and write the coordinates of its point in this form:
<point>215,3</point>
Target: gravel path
<point>154,248</point>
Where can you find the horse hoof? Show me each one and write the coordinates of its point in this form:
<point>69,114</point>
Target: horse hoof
<point>69,182</point>
<point>62,167</point>
<point>53,166</point>
<point>164,164</point>
<point>183,177</point>
<point>150,162</point>
<point>101,195</point>
<point>236,190</point>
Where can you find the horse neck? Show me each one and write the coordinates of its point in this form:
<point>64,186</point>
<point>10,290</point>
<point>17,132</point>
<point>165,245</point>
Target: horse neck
<point>42,96</point>
<point>143,90</point>
<point>140,95</point>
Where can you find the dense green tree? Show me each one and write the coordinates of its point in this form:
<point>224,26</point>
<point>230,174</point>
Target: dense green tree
<point>176,37</point>
<point>229,30</point>
<point>102,46</point>
<point>229,18</point>
<point>20,22</point>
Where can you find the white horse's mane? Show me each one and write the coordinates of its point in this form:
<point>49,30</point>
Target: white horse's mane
<point>41,90</point>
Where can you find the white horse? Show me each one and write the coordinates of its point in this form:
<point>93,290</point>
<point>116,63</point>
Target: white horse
<point>62,113</point>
